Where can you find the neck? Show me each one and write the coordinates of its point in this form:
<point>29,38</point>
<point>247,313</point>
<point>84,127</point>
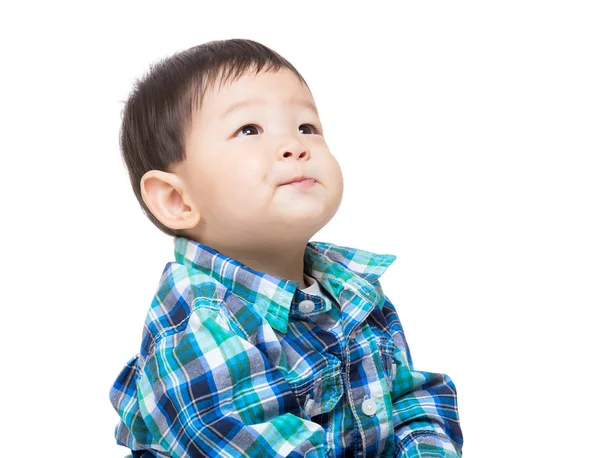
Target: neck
<point>284,262</point>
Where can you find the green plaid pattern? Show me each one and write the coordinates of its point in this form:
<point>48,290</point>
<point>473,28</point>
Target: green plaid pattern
<point>230,365</point>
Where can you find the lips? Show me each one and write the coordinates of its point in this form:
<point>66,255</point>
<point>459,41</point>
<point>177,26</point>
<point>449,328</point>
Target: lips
<point>298,179</point>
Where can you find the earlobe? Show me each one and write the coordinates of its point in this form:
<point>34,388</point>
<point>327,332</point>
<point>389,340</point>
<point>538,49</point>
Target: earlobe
<point>164,195</point>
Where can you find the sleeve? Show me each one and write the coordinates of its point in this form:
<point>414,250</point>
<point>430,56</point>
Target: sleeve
<point>425,410</point>
<point>206,391</point>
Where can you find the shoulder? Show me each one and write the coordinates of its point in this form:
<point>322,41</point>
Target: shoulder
<point>180,292</point>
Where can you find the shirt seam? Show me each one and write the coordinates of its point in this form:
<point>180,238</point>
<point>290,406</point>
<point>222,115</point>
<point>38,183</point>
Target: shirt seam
<point>235,320</point>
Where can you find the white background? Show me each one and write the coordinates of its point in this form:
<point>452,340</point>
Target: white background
<point>468,134</point>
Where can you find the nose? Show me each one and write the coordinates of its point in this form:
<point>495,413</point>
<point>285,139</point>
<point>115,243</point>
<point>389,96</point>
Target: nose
<point>292,149</point>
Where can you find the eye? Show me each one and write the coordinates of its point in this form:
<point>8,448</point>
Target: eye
<point>248,129</point>
<point>308,129</point>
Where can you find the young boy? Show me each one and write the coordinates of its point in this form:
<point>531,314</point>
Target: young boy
<point>259,343</point>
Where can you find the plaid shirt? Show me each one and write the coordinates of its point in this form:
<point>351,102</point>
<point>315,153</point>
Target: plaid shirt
<point>239,363</point>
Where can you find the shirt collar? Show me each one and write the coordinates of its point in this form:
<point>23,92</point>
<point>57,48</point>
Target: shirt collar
<point>335,267</point>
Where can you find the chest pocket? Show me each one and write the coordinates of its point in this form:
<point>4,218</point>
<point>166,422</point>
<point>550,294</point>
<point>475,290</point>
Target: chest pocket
<point>316,382</point>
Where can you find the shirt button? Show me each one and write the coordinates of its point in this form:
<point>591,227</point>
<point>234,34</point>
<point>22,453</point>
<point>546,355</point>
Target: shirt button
<point>369,407</point>
<point>306,306</point>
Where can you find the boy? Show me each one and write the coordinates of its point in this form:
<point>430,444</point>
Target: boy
<point>259,343</point>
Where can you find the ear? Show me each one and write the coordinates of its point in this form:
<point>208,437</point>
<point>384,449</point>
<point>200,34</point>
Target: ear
<point>165,196</point>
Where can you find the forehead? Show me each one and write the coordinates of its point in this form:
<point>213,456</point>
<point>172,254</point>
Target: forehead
<point>265,87</point>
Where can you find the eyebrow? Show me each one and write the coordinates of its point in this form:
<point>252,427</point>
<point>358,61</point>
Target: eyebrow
<point>244,103</point>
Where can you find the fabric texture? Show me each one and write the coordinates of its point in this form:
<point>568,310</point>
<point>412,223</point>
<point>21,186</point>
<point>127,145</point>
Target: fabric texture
<point>238,363</point>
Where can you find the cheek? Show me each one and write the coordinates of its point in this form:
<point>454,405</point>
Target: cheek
<point>241,190</point>
<point>334,170</point>
<point>335,181</point>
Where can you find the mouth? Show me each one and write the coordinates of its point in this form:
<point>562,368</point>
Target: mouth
<point>300,180</point>
<point>302,183</point>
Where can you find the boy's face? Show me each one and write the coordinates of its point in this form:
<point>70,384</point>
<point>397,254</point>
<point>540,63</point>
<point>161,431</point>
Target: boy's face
<point>248,140</point>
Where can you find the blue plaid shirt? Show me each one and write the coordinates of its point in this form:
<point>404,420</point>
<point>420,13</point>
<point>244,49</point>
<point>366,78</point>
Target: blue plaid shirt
<point>239,363</point>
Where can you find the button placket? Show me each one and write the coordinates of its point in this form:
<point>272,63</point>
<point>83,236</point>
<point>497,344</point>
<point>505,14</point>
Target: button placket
<point>369,407</point>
